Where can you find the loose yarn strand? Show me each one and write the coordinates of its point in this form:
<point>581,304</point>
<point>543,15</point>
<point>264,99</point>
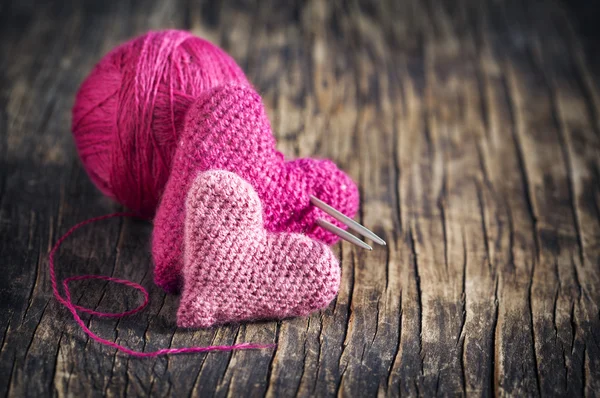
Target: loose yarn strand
<point>67,302</point>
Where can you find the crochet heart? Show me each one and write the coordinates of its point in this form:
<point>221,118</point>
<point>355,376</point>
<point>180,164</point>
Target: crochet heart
<point>227,128</point>
<point>234,270</point>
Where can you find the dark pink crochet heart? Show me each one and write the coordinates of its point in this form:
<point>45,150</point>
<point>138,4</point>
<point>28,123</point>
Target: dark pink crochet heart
<point>227,128</point>
<point>234,270</point>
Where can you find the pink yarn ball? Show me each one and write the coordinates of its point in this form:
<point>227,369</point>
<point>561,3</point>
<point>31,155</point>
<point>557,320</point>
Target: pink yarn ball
<point>129,111</point>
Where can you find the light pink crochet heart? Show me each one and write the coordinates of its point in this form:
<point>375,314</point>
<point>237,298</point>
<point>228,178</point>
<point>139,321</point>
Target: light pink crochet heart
<point>234,270</point>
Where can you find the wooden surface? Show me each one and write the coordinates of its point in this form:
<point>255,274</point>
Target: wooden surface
<point>473,130</point>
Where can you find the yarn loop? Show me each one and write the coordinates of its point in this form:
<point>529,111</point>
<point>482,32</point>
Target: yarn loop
<point>68,302</point>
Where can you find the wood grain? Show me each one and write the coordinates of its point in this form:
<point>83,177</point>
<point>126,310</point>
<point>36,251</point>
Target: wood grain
<point>473,130</point>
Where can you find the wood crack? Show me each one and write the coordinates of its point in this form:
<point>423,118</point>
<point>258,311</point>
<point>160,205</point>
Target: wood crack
<point>440,204</point>
<point>486,242</point>
<point>418,286</point>
<point>494,387</point>
<point>398,345</point>
<point>270,372</point>
<point>532,328</point>
<point>305,354</point>
<point>521,163</point>
<point>461,337</point>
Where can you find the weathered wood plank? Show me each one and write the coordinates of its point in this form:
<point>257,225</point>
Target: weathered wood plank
<point>472,129</point>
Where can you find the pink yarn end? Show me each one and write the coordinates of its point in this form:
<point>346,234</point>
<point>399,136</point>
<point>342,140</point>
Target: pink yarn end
<point>67,302</point>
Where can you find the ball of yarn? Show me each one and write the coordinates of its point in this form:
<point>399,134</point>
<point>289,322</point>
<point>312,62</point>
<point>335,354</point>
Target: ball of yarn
<point>130,110</point>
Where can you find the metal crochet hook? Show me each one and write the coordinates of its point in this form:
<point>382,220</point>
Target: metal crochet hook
<point>347,221</point>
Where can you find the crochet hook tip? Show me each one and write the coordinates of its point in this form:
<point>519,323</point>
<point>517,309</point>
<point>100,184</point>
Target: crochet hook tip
<point>347,221</point>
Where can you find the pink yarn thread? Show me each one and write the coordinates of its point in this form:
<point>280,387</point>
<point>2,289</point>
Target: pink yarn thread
<point>67,302</point>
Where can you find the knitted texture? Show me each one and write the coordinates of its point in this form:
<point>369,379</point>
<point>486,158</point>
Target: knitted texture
<point>129,112</point>
<point>234,270</point>
<point>227,128</point>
